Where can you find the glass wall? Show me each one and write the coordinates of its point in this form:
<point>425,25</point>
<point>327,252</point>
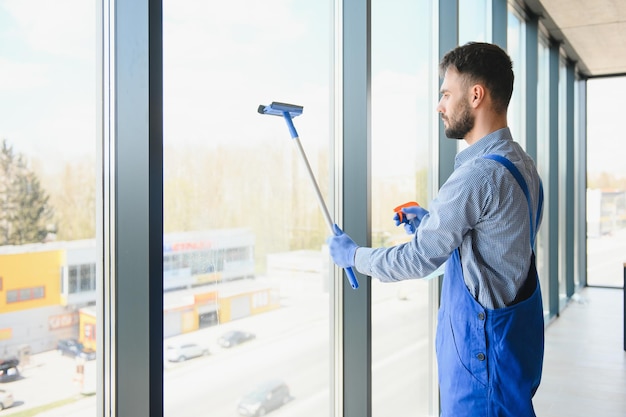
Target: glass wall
<point>48,204</point>
<point>474,26</point>
<point>562,140</point>
<point>516,48</point>
<point>580,184</point>
<point>404,93</point>
<point>247,298</point>
<point>474,21</point>
<point>246,307</point>
<point>606,184</point>
<point>543,166</point>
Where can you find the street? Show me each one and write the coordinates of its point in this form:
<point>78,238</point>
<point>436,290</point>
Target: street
<point>292,343</point>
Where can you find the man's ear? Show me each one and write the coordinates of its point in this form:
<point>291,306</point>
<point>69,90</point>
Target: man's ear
<point>477,95</point>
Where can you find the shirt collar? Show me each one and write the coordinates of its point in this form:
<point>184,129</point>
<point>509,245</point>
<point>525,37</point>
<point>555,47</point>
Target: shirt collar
<point>482,146</point>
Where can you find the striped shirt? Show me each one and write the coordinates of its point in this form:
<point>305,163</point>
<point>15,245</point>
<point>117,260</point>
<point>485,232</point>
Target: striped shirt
<point>480,209</point>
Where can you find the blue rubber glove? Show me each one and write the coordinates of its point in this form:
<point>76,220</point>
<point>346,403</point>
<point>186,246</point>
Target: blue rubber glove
<point>413,216</point>
<point>342,248</point>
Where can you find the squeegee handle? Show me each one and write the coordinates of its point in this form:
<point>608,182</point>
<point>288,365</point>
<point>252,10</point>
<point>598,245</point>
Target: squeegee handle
<point>292,129</point>
<point>329,222</point>
<point>352,278</point>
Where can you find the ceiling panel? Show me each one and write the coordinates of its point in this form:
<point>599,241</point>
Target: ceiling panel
<point>593,32</point>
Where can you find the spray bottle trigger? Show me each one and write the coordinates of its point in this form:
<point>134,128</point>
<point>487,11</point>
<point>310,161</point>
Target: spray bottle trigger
<point>400,214</point>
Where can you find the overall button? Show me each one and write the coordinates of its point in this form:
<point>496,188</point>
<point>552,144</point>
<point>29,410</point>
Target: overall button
<point>481,316</point>
<point>480,356</point>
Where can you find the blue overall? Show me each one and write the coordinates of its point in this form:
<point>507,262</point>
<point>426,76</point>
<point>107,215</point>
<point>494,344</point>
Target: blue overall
<point>490,360</point>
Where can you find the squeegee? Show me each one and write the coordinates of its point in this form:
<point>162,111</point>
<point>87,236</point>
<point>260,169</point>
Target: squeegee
<point>288,112</point>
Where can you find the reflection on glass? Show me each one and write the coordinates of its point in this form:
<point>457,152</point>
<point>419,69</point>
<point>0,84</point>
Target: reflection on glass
<point>562,192</point>
<point>474,21</point>
<point>516,48</point>
<point>606,184</point>
<point>243,234</point>
<point>47,205</point>
<point>543,167</point>
<point>402,117</point>
<point>474,26</point>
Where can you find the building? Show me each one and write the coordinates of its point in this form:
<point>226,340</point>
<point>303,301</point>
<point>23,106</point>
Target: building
<point>48,290</point>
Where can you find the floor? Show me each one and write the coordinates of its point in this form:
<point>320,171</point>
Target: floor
<point>585,361</point>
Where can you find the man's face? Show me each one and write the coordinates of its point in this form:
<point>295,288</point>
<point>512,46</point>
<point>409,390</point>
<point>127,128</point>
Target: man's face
<point>454,106</point>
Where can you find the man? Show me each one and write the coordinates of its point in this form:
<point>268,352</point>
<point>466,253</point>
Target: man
<point>483,225</point>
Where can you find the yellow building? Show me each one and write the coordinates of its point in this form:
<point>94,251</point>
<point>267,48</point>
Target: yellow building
<point>48,290</point>
<point>30,280</point>
<point>33,307</point>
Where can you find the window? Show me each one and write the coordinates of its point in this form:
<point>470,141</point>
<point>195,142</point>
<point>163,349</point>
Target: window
<point>25,294</point>
<point>606,184</point>
<point>81,278</point>
<point>48,123</point>
<point>543,166</point>
<point>243,233</point>
<point>404,95</point>
<point>72,280</point>
<point>474,21</point>
<point>562,170</point>
<point>516,48</point>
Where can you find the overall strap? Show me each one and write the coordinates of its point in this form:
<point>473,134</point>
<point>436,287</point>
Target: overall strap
<point>522,183</point>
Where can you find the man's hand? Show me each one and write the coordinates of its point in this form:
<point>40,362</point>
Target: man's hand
<point>413,215</point>
<point>342,248</point>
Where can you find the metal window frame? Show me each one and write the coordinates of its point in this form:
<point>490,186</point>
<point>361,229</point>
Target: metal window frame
<point>130,209</point>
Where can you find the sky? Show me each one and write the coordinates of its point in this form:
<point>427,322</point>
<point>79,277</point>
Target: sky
<point>217,72</point>
<point>47,76</point>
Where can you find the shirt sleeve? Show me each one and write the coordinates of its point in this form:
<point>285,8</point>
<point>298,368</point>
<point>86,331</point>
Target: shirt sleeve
<point>459,206</point>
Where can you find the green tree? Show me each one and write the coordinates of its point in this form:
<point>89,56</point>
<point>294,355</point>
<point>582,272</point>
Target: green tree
<point>25,212</point>
<point>73,196</point>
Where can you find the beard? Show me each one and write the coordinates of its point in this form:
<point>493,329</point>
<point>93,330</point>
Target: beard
<point>459,127</point>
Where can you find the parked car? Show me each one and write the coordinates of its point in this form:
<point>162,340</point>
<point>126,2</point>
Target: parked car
<point>8,369</point>
<point>184,351</point>
<point>235,337</point>
<point>73,348</point>
<point>6,399</point>
<point>264,398</point>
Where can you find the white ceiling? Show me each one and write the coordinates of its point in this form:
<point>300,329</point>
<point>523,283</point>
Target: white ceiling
<point>593,32</point>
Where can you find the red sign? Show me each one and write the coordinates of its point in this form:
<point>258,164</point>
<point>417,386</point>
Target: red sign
<point>62,320</point>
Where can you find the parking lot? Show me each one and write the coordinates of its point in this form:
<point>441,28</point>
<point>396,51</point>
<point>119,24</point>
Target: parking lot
<point>47,378</point>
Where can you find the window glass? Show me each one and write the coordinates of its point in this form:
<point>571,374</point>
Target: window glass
<point>73,280</point>
<point>474,21</point>
<point>562,170</point>
<point>404,95</point>
<point>48,110</point>
<point>579,183</point>
<point>516,48</point>
<point>606,184</point>
<point>12,296</point>
<point>474,26</point>
<point>243,234</point>
<point>543,167</point>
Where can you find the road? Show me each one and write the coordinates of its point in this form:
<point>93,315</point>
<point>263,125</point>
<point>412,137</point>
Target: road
<point>292,343</point>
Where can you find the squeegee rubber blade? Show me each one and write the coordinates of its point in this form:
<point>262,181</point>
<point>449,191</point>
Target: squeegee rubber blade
<point>279,109</point>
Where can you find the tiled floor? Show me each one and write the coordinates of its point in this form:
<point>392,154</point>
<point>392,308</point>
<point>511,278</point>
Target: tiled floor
<point>585,362</point>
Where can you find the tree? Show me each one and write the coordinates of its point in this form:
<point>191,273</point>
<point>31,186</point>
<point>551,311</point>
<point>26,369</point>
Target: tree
<point>24,208</point>
<point>73,196</point>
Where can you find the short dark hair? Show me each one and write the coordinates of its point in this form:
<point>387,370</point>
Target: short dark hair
<point>483,63</point>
